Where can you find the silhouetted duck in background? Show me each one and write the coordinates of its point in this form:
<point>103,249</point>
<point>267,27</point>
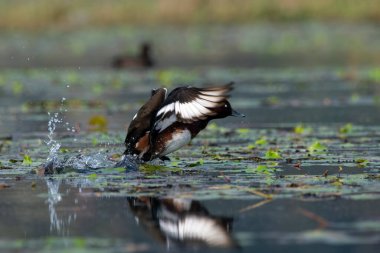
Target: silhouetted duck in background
<point>142,60</point>
<point>165,124</point>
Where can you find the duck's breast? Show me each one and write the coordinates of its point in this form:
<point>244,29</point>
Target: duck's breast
<point>175,140</point>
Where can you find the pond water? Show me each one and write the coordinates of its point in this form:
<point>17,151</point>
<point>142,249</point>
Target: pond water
<point>299,173</point>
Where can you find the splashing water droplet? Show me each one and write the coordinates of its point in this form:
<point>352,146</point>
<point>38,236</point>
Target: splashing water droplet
<point>52,144</point>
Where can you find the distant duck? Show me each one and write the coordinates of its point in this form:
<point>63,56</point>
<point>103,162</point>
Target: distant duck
<point>165,124</point>
<point>142,60</point>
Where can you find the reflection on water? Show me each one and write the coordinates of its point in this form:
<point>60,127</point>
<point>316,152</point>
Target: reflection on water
<point>76,216</point>
<point>182,222</point>
<point>172,222</point>
<point>57,224</point>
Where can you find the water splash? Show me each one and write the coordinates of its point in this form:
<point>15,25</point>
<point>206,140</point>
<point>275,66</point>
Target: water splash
<point>51,143</point>
<point>54,145</point>
<point>83,162</point>
<point>57,163</point>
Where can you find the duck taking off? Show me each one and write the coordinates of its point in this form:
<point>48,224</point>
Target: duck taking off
<point>164,124</point>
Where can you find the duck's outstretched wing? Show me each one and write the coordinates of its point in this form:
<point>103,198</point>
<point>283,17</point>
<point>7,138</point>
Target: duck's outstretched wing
<point>190,104</point>
<point>142,121</point>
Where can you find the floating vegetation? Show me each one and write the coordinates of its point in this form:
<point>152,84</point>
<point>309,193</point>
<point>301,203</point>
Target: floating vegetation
<point>362,162</point>
<point>262,141</point>
<point>27,160</point>
<point>272,155</point>
<point>317,148</point>
<point>98,123</point>
<point>302,129</point>
<point>347,128</point>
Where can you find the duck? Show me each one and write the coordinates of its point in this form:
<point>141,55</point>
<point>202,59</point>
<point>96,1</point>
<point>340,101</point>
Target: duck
<point>143,60</point>
<point>166,123</point>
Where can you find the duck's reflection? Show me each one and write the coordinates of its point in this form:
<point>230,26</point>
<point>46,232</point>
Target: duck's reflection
<point>182,222</point>
<point>172,221</point>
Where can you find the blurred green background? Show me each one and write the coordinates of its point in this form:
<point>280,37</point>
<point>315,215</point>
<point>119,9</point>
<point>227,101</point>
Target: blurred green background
<point>54,33</point>
<point>42,14</point>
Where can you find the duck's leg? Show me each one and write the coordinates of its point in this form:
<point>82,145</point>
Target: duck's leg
<point>129,162</point>
<point>164,158</point>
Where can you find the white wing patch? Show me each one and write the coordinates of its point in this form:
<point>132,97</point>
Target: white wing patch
<point>211,98</point>
<point>215,93</point>
<point>202,109</point>
<point>166,109</point>
<point>191,111</point>
<point>164,123</point>
<point>199,108</point>
<point>204,103</point>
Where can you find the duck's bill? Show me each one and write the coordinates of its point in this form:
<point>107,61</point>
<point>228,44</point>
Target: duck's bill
<point>237,114</point>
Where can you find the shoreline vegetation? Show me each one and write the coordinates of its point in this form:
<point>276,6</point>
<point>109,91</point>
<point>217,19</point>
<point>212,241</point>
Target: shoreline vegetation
<point>44,14</point>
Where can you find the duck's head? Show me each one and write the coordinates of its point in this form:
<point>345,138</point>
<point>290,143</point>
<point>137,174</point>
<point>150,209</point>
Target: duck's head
<point>225,111</point>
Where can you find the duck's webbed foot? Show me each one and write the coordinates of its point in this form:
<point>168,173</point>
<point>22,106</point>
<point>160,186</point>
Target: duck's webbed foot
<point>128,162</point>
<point>164,158</point>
